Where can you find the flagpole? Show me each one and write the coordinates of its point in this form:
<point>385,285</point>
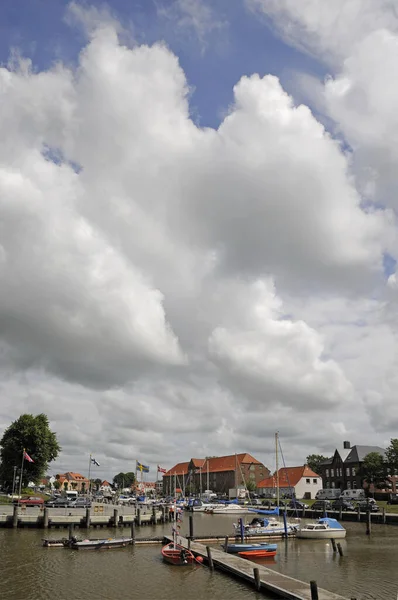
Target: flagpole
<point>20,479</point>
<point>89,474</point>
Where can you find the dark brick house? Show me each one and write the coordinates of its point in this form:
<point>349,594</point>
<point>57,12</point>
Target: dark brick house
<point>342,470</point>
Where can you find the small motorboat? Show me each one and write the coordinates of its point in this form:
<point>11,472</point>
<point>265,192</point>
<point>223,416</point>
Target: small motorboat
<point>264,526</point>
<point>323,529</point>
<point>228,509</point>
<point>102,544</point>
<point>237,548</point>
<point>54,543</point>
<point>257,553</point>
<point>177,555</point>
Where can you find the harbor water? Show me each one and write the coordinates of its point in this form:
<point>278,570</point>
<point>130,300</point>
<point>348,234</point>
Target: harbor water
<point>367,571</point>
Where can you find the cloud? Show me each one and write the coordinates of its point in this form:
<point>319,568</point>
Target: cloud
<point>165,286</point>
<point>193,16</point>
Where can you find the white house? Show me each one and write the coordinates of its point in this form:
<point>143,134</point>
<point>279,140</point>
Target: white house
<point>105,486</point>
<point>300,481</point>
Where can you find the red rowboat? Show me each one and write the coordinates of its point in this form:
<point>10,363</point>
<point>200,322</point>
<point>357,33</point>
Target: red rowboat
<point>177,555</point>
<point>257,553</point>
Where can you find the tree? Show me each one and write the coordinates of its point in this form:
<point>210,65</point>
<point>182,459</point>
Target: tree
<point>374,469</point>
<point>57,485</point>
<point>124,480</point>
<point>392,456</point>
<point>33,434</point>
<point>251,486</point>
<point>314,461</point>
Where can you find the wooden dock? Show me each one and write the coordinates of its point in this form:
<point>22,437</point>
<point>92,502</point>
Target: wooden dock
<point>270,581</point>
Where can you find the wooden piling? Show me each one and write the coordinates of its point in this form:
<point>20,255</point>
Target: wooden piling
<point>340,513</point>
<point>15,516</point>
<point>368,522</point>
<point>115,517</point>
<point>209,558</point>
<point>70,531</point>
<point>314,590</point>
<point>163,517</point>
<point>226,543</point>
<point>133,531</point>
<point>88,517</point>
<point>138,517</point>
<point>340,549</point>
<point>154,515</point>
<point>334,545</point>
<point>45,518</point>
<point>257,580</point>
<point>191,527</point>
<point>359,512</point>
<point>384,515</point>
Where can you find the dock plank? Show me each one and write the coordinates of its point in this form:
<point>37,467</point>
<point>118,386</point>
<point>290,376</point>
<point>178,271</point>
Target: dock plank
<point>272,581</point>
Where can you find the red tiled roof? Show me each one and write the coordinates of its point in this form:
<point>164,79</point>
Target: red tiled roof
<point>106,483</point>
<point>214,464</point>
<point>288,477</point>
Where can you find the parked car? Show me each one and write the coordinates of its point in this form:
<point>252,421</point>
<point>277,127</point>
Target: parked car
<point>59,503</point>
<point>297,504</point>
<point>29,501</point>
<point>342,504</point>
<point>80,503</point>
<point>368,504</point>
<point>322,505</point>
<point>393,499</point>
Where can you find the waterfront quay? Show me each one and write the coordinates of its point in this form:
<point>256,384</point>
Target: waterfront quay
<point>99,515</point>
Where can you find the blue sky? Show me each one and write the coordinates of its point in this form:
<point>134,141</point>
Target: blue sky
<point>241,45</point>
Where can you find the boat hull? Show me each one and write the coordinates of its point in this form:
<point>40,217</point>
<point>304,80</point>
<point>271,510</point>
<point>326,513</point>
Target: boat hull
<point>257,553</point>
<point>174,554</point>
<point>104,544</point>
<point>335,534</point>
<point>236,548</point>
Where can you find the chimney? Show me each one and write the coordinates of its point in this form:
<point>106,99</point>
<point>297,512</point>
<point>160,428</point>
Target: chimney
<point>346,445</point>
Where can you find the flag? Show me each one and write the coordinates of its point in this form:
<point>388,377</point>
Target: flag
<point>27,457</point>
<point>141,467</point>
<point>160,470</point>
<point>95,462</point>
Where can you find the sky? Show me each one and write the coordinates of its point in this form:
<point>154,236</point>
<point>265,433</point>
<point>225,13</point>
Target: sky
<point>198,234</point>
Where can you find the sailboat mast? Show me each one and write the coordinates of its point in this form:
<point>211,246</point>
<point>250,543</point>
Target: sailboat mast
<point>236,475</point>
<point>208,485</point>
<point>277,468</point>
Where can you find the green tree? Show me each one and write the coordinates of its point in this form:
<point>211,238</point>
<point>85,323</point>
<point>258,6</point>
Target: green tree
<point>124,480</point>
<point>33,434</point>
<point>97,484</point>
<point>314,461</point>
<point>56,485</point>
<point>251,486</point>
<point>374,469</point>
<point>392,456</point>
<point>66,485</point>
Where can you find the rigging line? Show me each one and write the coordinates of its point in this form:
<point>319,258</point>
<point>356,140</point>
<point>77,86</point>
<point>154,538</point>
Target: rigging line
<point>287,476</point>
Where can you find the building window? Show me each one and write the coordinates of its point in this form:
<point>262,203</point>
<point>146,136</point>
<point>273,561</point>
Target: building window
<point>308,481</point>
<point>327,472</point>
<point>353,471</point>
<point>354,485</point>
<point>252,467</point>
<point>332,484</point>
<point>315,481</point>
<point>331,472</point>
<point>348,485</point>
<point>347,471</point>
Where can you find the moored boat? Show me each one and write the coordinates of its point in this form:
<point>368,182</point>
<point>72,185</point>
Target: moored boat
<point>228,509</point>
<point>257,553</point>
<point>262,526</point>
<point>175,554</point>
<point>323,529</point>
<point>101,544</point>
<point>236,548</point>
<point>54,543</point>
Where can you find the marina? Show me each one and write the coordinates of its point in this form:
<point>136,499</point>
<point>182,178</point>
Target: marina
<point>365,571</point>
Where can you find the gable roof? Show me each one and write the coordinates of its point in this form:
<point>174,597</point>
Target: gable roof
<point>214,464</point>
<point>358,453</point>
<point>288,477</point>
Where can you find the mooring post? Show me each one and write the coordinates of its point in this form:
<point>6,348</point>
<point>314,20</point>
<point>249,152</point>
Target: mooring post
<point>154,513</point>
<point>70,531</point>
<point>167,513</point>
<point>191,527</point>
<point>15,516</point>
<point>334,545</point>
<point>138,517</point>
<point>45,518</point>
<point>314,590</point>
<point>163,517</point>
<point>257,581</point>
<point>241,529</point>
<point>226,543</point>
<point>88,519</point>
<point>115,517</point>
<point>340,513</point>
<point>359,512</point>
<point>368,522</point>
<point>340,549</point>
<point>210,558</point>
<point>384,514</point>
<point>133,531</point>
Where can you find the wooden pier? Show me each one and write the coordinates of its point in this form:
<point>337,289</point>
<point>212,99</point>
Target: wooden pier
<point>264,579</point>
